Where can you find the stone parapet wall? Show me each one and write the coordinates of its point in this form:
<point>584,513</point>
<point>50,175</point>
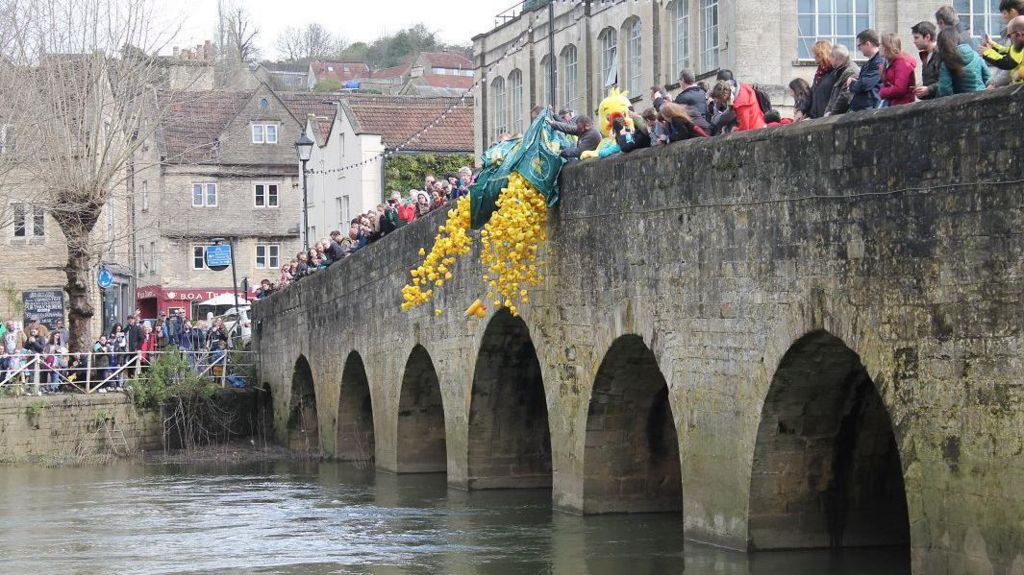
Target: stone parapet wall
<point>896,233</point>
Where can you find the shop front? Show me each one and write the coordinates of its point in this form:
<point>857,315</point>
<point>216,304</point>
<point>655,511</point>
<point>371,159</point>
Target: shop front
<point>154,300</point>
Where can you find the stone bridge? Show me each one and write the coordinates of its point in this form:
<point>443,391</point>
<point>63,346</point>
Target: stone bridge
<point>801,337</point>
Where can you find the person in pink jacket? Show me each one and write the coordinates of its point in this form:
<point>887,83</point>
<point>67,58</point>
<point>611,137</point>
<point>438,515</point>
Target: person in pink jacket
<point>898,78</point>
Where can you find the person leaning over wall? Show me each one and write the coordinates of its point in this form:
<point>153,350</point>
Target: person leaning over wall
<point>962,70</point>
<point>925,34</point>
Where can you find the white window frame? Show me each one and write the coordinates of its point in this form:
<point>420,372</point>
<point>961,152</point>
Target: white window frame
<point>33,220</point>
<point>980,16</point>
<point>264,133</point>
<point>344,218</point>
<point>500,118</point>
<point>634,53</point>
<point>515,93</point>
<point>681,36</point>
<point>201,255</point>
<point>709,35</point>
<point>204,188</point>
<point>266,195</point>
<point>570,76</point>
<point>270,254</point>
<point>824,24</point>
<point>609,46</point>
<point>145,195</point>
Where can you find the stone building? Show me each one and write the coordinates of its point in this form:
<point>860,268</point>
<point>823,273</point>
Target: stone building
<point>636,44</point>
<point>366,127</point>
<point>223,165</point>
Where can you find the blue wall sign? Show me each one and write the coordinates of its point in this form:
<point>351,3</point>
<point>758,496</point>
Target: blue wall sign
<point>105,279</point>
<point>218,256</point>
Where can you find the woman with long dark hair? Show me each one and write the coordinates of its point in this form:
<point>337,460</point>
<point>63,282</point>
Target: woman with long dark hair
<point>801,92</point>
<point>961,69</point>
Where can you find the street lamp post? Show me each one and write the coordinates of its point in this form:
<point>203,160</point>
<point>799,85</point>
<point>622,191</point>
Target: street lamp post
<point>304,149</point>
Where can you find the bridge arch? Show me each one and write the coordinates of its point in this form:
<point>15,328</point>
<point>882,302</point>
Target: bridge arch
<point>631,455</point>
<point>509,442</point>
<point>355,440</point>
<point>421,432</point>
<point>303,427</point>
<point>826,469</point>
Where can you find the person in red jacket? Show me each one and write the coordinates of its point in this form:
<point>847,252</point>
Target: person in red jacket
<point>898,79</point>
<point>407,212</point>
<point>744,110</point>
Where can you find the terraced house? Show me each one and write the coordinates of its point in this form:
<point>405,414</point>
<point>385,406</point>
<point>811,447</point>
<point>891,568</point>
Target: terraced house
<point>634,44</point>
<point>222,165</point>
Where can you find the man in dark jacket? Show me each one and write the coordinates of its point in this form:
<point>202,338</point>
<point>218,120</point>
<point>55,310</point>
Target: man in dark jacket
<point>589,137</point>
<point>335,252</point>
<point>924,40</point>
<point>135,334</point>
<point>843,72</point>
<point>867,85</point>
<point>692,97</point>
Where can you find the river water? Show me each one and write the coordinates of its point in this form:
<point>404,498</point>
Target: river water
<point>330,518</point>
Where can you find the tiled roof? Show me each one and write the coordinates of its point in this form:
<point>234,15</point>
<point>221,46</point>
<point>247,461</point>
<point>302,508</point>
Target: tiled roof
<point>321,105</point>
<point>194,121</point>
<point>447,81</point>
<point>397,118</point>
<point>389,73</point>
<point>341,71</point>
<point>447,60</point>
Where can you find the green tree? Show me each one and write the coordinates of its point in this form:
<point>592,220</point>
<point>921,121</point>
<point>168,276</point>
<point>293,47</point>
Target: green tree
<point>406,172</point>
<point>355,52</point>
<point>400,47</point>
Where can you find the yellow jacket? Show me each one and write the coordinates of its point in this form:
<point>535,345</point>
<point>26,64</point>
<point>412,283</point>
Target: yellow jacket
<point>1008,58</point>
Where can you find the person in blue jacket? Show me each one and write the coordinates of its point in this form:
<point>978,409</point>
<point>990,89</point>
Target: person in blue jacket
<point>961,69</point>
<point>865,87</point>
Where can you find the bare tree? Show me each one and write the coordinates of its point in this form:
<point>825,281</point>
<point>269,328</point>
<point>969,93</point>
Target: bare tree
<point>77,80</point>
<point>314,42</point>
<point>240,35</point>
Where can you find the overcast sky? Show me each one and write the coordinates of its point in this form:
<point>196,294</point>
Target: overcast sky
<point>455,21</point>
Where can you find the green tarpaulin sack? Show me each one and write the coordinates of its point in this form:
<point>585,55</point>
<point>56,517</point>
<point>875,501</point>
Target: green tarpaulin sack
<point>535,156</point>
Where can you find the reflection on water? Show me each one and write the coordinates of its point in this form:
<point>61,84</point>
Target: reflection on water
<point>318,519</point>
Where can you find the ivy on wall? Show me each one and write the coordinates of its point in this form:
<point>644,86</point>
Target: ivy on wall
<point>406,172</point>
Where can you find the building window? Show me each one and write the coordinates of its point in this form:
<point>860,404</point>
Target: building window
<point>268,256</point>
<point>110,224</point>
<point>569,78</point>
<point>500,120</point>
<point>709,35</point>
<point>343,214</point>
<point>515,91</point>
<point>545,81</point>
<point>266,195</point>
<point>142,259</point>
<point>152,257</point>
<point>633,54</point>
<point>264,133</point>
<point>681,35</point>
<point>204,195</point>
<point>145,196</point>
<point>982,16</point>
<point>29,221</point>
<point>609,57</point>
<point>6,138</point>
<point>198,257</point>
<point>837,21</point>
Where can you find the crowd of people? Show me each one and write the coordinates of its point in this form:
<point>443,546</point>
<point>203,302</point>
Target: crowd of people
<point>113,356</point>
<point>369,227</point>
<point>952,62</point>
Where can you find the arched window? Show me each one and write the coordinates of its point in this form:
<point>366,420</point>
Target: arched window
<point>515,93</point>
<point>681,35</point>
<point>569,77</point>
<point>709,35</point>
<point>609,42</point>
<point>837,21</point>
<point>633,54</point>
<point>500,118</point>
<point>545,81</point>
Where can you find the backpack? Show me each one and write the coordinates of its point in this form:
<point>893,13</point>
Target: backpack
<point>763,100</point>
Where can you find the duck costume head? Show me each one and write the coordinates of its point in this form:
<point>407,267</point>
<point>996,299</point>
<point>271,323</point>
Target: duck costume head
<point>615,105</point>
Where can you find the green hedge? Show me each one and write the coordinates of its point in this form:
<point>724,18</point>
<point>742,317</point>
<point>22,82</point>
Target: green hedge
<point>406,172</point>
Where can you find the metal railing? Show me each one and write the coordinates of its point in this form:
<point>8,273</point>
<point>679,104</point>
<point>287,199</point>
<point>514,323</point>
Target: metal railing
<point>104,371</point>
